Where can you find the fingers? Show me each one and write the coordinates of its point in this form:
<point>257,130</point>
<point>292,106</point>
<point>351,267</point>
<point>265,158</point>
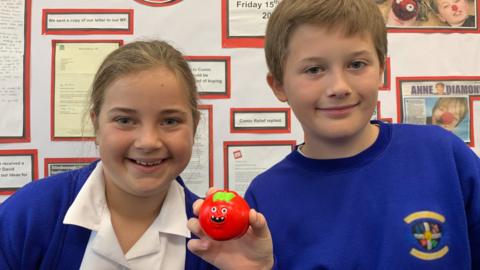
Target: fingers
<point>194,226</point>
<point>258,224</point>
<point>198,246</point>
<point>211,190</point>
<point>196,206</point>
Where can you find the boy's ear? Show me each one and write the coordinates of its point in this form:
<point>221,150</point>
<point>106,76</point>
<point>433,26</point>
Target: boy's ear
<point>382,70</point>
<point>277,88</point>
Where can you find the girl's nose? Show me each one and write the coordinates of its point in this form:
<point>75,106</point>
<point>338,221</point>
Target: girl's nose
<point>148,138</point>
<point>454,7</point>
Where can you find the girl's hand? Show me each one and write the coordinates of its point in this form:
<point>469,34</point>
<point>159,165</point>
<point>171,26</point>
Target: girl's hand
<point>252,251</point>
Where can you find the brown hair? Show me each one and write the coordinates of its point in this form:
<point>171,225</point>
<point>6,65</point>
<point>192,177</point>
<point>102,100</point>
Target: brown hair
<point>136,57</point>
<point>351,16</point>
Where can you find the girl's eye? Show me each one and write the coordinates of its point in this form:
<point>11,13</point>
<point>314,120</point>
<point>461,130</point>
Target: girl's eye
<point>123,121</point>
<point>357,65</point>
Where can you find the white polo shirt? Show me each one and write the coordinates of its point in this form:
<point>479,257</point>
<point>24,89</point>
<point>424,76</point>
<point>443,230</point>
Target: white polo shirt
<point>162,246</point>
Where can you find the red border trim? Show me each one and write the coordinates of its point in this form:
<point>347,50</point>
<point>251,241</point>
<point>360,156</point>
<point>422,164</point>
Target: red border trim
<point>26,81</point>
<point>379,115</point>
<point>244,42</point>
<point>26,152</point>
<point>386,76</point>
<point>46,31</point>
<point>227,61</point>
<point>286,129</point>
<point>52,87</point>
<point>227,144</point>
<point>472,122</point>
<point>48,161</point>
<point>152,4</point>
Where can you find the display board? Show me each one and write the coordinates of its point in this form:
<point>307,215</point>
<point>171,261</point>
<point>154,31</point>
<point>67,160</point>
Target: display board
<point>50,50</point>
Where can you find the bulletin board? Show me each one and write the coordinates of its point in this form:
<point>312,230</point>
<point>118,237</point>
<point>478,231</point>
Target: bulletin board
<point>50,50</point>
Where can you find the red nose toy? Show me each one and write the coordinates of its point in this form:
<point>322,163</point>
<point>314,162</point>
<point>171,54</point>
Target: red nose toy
<point>224,215</point>
<point>447,118</point>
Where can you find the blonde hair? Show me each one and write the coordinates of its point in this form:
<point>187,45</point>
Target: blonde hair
<point>136,57</point>
<point>352,16</point>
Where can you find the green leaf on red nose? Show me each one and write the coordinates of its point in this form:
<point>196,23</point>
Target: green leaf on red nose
<point>223,196</point>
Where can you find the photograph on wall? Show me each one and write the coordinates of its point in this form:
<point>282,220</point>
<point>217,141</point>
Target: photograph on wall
<point>58,165</point>
<point>243,160</point>
<point>17,168</point>
<point>15,71</point>
<point>74,65</point>
<point>441,101</point>
<point>430,15</point>
<point>244,22</point>
<point>198,175</point>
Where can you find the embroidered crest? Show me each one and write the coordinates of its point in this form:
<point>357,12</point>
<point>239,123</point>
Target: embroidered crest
<point>426,228</point>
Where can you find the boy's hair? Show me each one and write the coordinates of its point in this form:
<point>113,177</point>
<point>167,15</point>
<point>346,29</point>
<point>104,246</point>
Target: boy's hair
<point>350,16</point>
<point>140,56</point>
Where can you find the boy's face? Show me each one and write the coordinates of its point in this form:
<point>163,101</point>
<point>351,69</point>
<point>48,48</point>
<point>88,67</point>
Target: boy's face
<point>331,82</point>
<point>453,12</point>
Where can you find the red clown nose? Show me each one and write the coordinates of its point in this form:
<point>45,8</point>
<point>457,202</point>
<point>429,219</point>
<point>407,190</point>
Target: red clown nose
<point>454,7</point>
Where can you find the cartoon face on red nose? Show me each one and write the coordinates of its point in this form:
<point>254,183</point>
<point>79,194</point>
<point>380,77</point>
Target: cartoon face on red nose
<point>224,215</point>
<point>405,9</point>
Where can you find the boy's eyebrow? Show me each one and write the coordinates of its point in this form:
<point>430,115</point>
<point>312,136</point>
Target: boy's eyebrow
<point>353,54</point>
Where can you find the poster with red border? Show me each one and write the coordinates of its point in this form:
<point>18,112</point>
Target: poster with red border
<point>87,21</point>
<point>243,160</point>
<point>18,167</point>
<point>24,134</point>
<point>53,166</point>
<point>198,175</point>
<point>438,100</point>
<point>260,120</point>
<point>474,104</point>
<point>244,22</point>
<point>75,98</point>
<point>212,74</point>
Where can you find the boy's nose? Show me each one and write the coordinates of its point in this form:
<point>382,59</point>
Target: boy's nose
<point>338,85</point>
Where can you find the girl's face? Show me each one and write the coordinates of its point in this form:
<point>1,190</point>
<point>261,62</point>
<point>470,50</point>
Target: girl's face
<point>453,12</point>
<point>145,132</point>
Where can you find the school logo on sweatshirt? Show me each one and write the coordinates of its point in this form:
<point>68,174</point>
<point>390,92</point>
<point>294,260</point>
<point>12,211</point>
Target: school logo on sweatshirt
<point>157,3</point>
<point>426,228</point>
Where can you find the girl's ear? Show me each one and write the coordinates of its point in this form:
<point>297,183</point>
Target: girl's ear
<point>277,88</point>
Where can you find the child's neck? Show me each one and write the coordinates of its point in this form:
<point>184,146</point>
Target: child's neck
<point>342,147</point>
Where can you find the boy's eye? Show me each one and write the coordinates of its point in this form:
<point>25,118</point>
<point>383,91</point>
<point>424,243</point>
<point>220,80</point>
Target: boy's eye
<point>171,121</point>
<point>314,70</point>
<point>357,65</point>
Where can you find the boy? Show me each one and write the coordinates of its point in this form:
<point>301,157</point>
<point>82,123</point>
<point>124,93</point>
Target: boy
<point>359,194</point>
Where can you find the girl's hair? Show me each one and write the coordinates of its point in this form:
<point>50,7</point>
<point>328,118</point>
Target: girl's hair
<point>136,57</point>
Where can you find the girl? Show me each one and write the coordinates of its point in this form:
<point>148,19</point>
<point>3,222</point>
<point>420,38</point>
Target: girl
<point>129,210</point>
